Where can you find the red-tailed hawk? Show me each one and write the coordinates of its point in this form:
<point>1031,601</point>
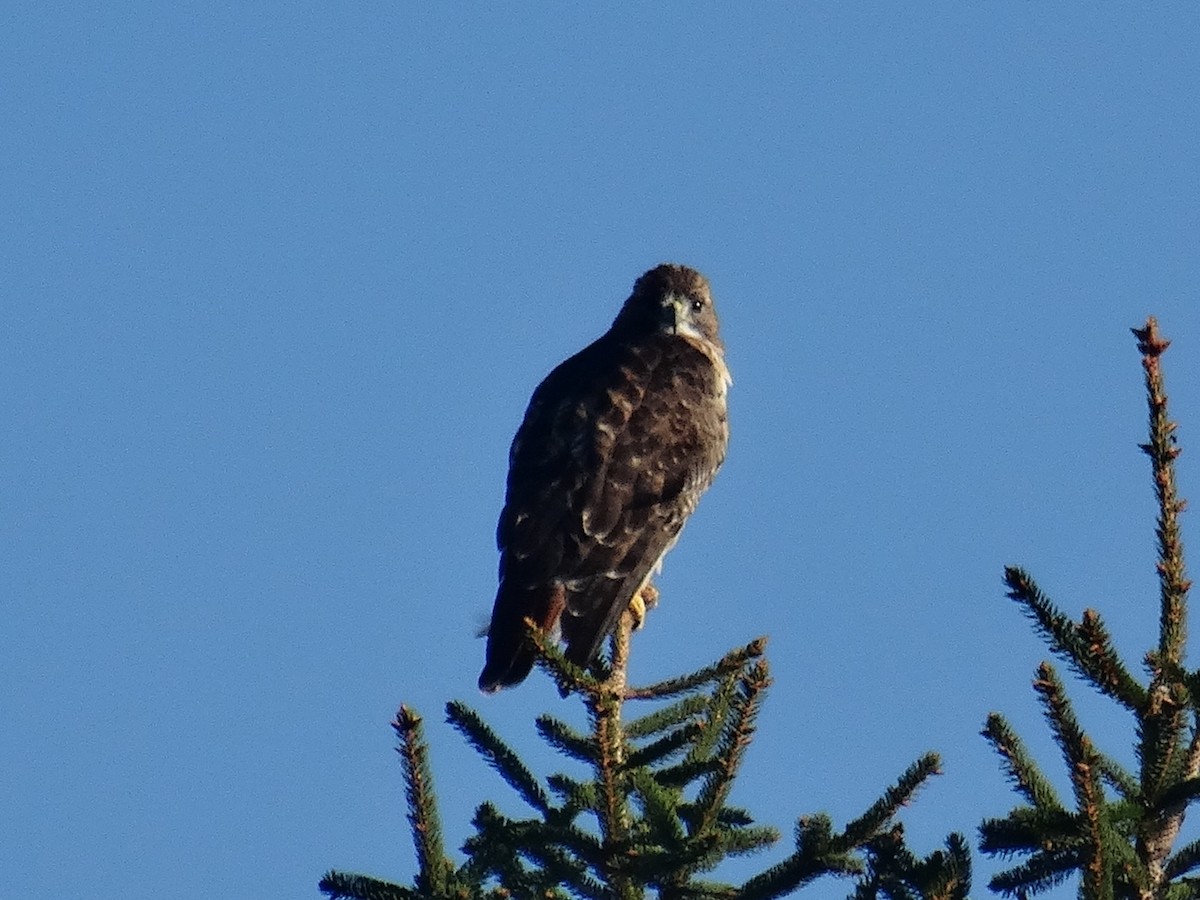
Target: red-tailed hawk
<point>617,446</point>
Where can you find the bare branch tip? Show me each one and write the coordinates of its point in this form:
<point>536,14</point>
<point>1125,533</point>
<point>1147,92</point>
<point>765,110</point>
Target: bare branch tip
<point>406,718</point>
<point>1150,342</point>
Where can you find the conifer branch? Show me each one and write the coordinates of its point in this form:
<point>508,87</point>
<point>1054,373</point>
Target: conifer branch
<point>1039,873</point>
<point>550,658</point>
<point>1186,859</point>
<point>603,702</point>
<point>722,705</point>
<point>951,871</point>
<point>1162,728</point>
<point>563,738</point>
<point>1163,449</point>
<point>340,886</point>
<point>433,866</point>
<point>687,709</point>
<point>895,872</point>
<point>817,854</point>
<point>899,794</point>
<point>1122,848</point>
<point>668,745</point>
<point>553,865</point>
<point>1191,768</point>
<point>683,774</point>
<point>733,743</point>
<point>1166,762</point>
<point>614,822</point>
<point>1106,670</point>
<point>744,840</point>
<point>1054,625</point>
<point>1076,748</point>
<point>1022,772</point>
<point>501,848</point>
<point>498,754</point>
<point>1119,779</point>
<point>888,861</point>
<point>700,890</point>
<point>1178,796</point>
<point>629,827</point>
<point>729,664</point>
<point>1097,859</point>
<point>1102,848</point>
<point>1029,830</point>
<point>658,807</point>
<point>1086,647</point>
<point>576,795</point>
<point>892,870</point>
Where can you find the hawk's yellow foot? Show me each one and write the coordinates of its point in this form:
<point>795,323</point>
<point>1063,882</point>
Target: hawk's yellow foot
<point>643,601</point>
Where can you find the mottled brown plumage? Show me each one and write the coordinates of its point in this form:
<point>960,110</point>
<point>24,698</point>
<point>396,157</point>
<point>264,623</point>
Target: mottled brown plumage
<point>617,446</point>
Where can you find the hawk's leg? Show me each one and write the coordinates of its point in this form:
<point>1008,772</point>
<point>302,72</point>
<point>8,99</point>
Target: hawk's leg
<point>643,601</point>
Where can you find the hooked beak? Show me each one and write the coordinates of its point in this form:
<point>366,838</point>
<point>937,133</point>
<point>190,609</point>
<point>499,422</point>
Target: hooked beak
<point>675,304</point>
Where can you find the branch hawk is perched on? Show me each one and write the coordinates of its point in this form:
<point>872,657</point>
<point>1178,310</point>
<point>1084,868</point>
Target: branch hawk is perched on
<point>617,446</point>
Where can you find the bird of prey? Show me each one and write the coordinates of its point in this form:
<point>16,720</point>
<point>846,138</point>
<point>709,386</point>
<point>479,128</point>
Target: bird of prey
<point>617,445</point>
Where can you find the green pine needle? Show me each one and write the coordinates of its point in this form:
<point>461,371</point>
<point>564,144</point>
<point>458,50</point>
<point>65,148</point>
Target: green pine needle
<point>951,878</point>
<point>744,841</point>
<point>1104,667</point>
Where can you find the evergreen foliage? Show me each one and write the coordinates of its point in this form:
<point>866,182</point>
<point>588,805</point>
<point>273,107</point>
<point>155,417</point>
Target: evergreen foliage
<point>649,813</point>
<point>651,816</point>
<point>1118,830</point>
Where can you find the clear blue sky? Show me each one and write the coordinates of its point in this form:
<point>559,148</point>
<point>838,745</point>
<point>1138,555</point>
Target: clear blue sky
<point>277,282</point>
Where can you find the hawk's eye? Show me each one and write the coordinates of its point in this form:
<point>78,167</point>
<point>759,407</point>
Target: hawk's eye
<point>697,305</point>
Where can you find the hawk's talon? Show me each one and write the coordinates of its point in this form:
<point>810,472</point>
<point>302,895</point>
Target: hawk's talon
<point>643,601</point>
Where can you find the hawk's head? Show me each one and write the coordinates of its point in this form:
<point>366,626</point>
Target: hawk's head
<point>672,299</point>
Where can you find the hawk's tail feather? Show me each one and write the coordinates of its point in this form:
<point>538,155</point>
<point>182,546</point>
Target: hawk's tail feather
<point>502,673</point>
<point>510,653</point>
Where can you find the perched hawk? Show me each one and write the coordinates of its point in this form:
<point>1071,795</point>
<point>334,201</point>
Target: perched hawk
<point>617,446</point>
